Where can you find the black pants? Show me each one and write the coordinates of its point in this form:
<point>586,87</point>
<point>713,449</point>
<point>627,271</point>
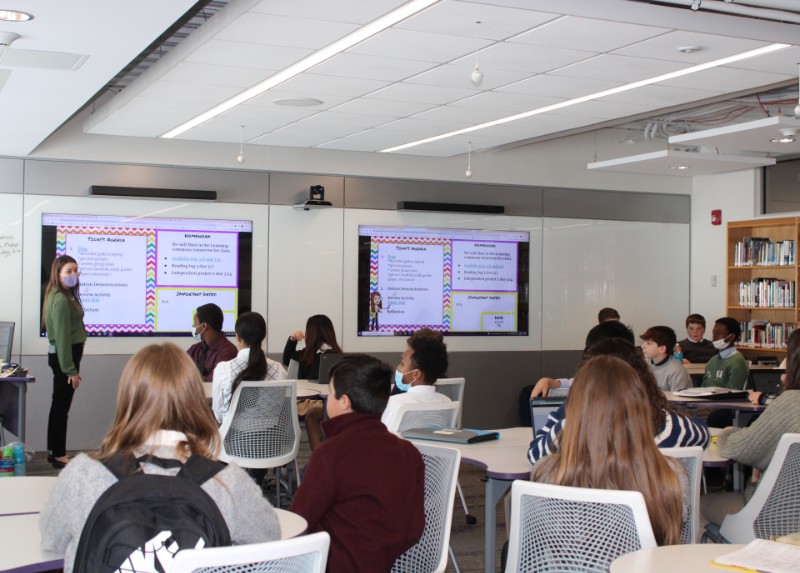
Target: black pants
<point>62,400</point>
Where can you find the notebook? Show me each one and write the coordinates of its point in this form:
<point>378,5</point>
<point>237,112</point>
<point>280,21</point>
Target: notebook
<point>454,435</point>
<point>713,393</point>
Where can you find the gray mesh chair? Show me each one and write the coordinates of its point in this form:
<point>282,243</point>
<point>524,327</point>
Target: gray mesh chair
<point>559,529</point>
<point>774,509</point>
<point>429,554</point>
<point>261,429</point>
<point>692,460</point>
<point>421,414</point>
<point>304,554</point>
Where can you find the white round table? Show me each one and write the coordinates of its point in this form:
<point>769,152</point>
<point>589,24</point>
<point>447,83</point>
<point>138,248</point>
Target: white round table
<point>291,524</point>
<point>25,494</point>
<point>671,558</point>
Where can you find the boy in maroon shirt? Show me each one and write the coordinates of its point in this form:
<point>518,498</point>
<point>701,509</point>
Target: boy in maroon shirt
<point>363,485</point>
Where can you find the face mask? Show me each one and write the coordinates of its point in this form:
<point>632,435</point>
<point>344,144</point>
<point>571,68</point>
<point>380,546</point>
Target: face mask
<point>195,334</point>
<point>720,344</point>
<point>69,281</point>
<point>398,380</point>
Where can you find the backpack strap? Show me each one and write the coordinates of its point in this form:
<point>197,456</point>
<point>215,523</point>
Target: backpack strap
<point>197,469</point>
<point>122,465</point>
<point>200,469</point>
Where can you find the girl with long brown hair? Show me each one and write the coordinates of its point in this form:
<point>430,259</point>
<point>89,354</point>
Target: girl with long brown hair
<point>161,412</point>
<point>62,318</point>
<point>608,444</point>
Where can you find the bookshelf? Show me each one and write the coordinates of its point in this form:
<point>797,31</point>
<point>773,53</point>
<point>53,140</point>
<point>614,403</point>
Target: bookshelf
<point>762,282</point>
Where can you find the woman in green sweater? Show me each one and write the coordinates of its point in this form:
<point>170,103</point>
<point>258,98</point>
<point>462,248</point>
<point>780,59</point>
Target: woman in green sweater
<point>62,317</point>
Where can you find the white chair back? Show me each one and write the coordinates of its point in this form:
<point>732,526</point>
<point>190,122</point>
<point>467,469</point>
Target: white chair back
<point>453,388</point>
<point>558,528</point>
<point>774,509</point>
<point>304,554</point>
<point>261,429</point>
<point>421,414</point>
<point>692,460</point>
<point>429,554</point>
<point>293,370</point>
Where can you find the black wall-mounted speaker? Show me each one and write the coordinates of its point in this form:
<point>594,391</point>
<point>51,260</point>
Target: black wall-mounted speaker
<point>150,193</point>
<point>450,207</point>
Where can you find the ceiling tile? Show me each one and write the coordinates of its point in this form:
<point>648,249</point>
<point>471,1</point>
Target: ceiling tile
<point>522,58</point>
<point>382,108</point>
<point>407,92</point>
<point>713,47</point>
<point>275,30</point>
<point>357,121</point>
<point>559,86</point>
<point>470,115</point>
<point>510,102</point>
<point>418,46</point>
<point>459,19</point>
<point>373,140</point>
<point>236,76</point>
<point>780,62</point>
<point>659,96</point>
<point>259,56</point>
<point>371,67</point>
<point>189,91</point>
<point>586,34</point>
<point>316,85</point>
<point>356,11</point>
<point>452,75</point>
<point>725,80</point>
<point>623,69</point>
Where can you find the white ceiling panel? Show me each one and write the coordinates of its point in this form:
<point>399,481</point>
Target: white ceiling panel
<point>666,162</point>
<point>458,76</point>
<point>509,102</point>
<point>267,100</point>
<point>247,55</point>
<point>189,91</point>
<point>623,69</point>
<point>603,109</point>
<point>460,19</point>
<point>318,86</point>
<point>292,138</point>
<point>726,80</point>
<point>535,126</point>
<point>419,46</point>
<point>746,136</point>
<point>383,108</point>
<point>355,11</point>
<point>372,140</point>
<point>371,67</point>
<point>563,87</point>
<point>521,58</point>
<point>576,33</point>
<point>780,62</point>
<point>470,115</point>
<point>148,117</point>
<point>357,121</point>
<point>657,96</point>
<point>711,47</point>
<point>423,94</point>
<point>237,76</point>
<point>274,30</point>
<point>421,128</point>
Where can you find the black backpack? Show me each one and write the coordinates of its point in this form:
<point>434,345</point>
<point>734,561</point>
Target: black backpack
<point>141,521</point>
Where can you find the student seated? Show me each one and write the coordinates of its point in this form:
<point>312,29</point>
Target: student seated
<point>611,447</point>
<point>423,362</point>
<point>606,314</point>
<point>756,444</point>
<point>320,337</point>
<point>657,345</point>
<point>250,363</point>
<point>728,369</point>
<point>695,348</point>
<point>603,331</point>
<point>363,485</point>
<point>161,411</point>
<point>672,429</point>
<point>213,347</point>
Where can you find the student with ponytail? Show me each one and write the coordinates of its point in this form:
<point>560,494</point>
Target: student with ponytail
<point>250,363</point>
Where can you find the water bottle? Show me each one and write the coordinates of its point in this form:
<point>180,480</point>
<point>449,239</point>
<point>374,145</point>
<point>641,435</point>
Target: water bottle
<point>678,353</point>
<point>7,463</point>
<point>19,460</point>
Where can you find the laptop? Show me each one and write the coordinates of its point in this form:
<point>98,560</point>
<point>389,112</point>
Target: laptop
<point>767,381</point>
<point>541,409</point>
<point>326,362</point>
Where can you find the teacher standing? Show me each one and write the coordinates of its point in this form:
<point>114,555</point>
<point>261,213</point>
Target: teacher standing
<point>62,317</point>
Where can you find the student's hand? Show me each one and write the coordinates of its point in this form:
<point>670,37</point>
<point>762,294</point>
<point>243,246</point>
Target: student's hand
<point>298,335</point>
<point>754,396</point>
<point>74,381</point>
<point>543,386</point>
<point>686,361</point>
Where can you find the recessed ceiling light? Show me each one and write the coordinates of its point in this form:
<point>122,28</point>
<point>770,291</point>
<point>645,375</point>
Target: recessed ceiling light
<point>15,16</point>
<point>679,167</point>
<point>297,101</point>
<point>788,135</point>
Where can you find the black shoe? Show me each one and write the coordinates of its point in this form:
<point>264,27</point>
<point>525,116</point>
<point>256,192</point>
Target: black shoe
<point>58,464</point>
<point>50,458</point>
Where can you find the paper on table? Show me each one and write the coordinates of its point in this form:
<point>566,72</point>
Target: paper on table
<point>764,556</point>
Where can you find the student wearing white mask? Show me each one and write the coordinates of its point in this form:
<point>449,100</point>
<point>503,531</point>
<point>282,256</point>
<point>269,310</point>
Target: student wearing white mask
<point>728,369</point>
<point>423,362</point>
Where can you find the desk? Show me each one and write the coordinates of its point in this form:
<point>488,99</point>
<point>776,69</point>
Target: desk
<point>699,368</point>
<point>21,542</point>
<point>12,404</point>
<point>304,389</point>
<point>504,460</point>
<point>671,558</point>
<point>28,494</point>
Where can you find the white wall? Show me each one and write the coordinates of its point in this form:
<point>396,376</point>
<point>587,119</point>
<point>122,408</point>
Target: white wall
<point>735,194</point>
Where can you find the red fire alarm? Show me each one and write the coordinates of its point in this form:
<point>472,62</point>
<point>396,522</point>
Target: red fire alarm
<point>716,217</point>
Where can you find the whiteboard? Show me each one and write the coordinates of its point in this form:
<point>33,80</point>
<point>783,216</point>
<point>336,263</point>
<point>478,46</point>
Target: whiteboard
<point>11,219</point>
<point>641,269</point>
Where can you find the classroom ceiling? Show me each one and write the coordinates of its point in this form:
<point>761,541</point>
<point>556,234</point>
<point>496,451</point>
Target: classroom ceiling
<point>407,83</point>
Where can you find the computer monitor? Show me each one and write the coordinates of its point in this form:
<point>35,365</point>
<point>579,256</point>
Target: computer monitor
<point>6,341</point>
<point>541,409</point>
<point>326,362</point>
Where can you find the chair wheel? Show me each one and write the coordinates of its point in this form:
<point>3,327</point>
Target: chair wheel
<point>471,519</point>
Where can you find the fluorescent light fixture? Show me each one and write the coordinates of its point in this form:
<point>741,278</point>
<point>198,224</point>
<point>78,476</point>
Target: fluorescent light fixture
<point>619,89</point>
<point>379,25</point>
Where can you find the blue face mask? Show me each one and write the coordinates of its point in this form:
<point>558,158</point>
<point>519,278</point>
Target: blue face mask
<point>69,281</point>
<point>398,380</point>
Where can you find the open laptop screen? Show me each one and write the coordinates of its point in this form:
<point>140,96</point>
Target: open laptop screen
<point>541,408</point>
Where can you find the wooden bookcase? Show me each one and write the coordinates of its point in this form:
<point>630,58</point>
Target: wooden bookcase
<point>776,230</point>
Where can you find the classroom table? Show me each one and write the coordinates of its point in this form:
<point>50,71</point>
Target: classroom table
<point>671,558</point>
<point>20,542</point>
<point>504,461</point>
<point>24,494</point>
<point>306,389</point>
<point>13,393</point>
<point>699,368</point>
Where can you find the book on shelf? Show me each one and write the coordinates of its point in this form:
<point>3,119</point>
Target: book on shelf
<point>767,293</point>
<point>765,334</point>
<point>760,251</point>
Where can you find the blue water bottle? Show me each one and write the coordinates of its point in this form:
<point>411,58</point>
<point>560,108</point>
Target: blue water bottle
<point>19,460</point>
<point>678,353</point>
